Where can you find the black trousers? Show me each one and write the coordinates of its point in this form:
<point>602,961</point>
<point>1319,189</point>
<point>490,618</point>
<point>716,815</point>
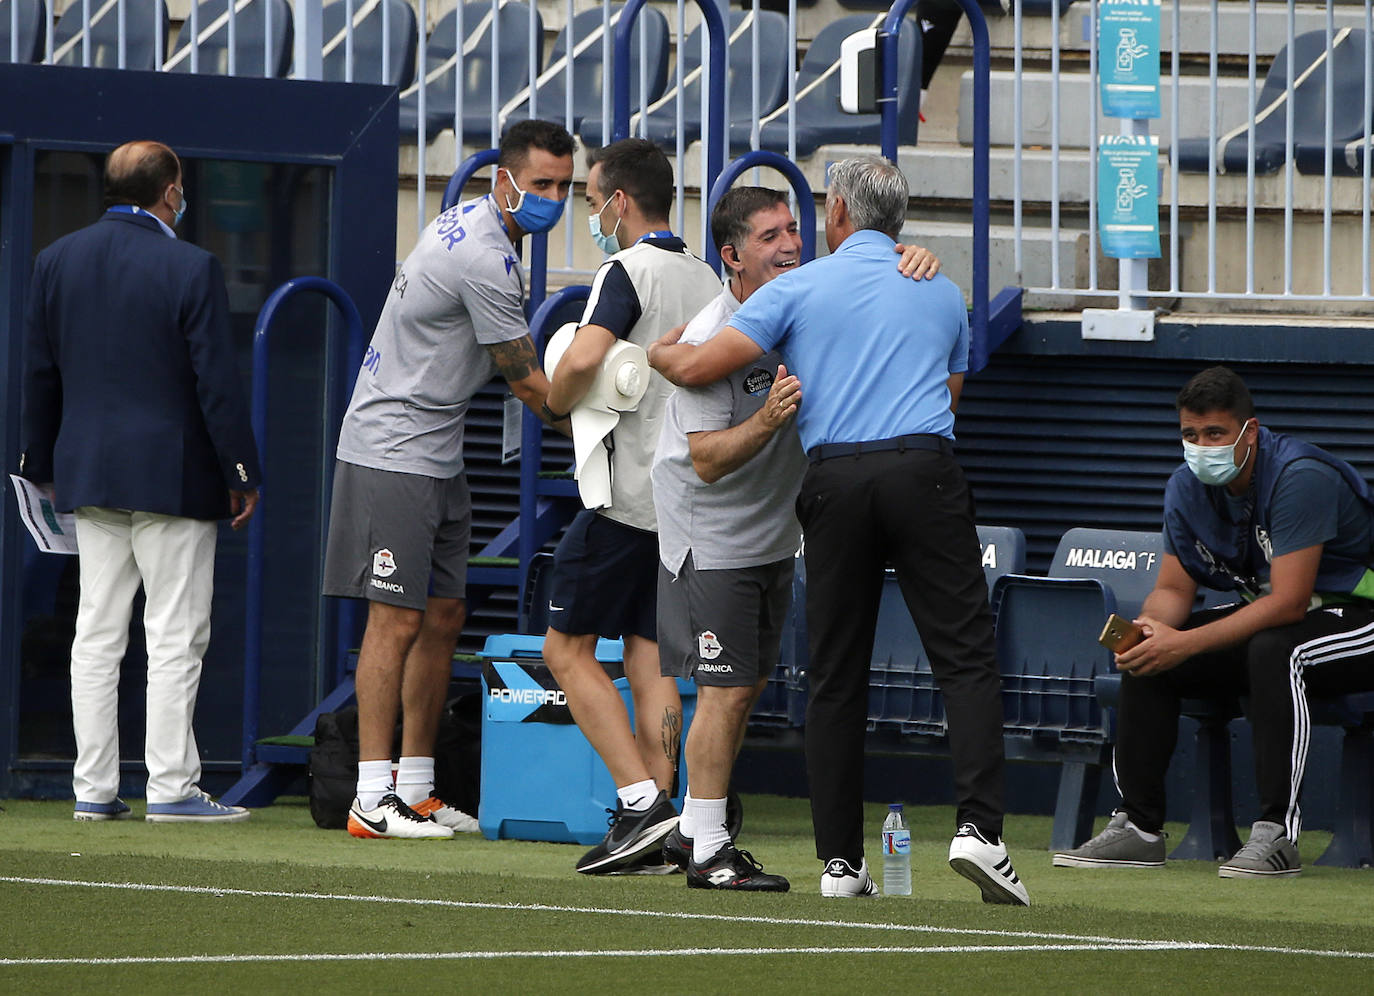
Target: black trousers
<point>914,509</point>
<point>1331,651</point>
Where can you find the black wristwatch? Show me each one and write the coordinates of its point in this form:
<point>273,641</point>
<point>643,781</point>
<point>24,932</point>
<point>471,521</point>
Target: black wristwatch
<point>551,415</point>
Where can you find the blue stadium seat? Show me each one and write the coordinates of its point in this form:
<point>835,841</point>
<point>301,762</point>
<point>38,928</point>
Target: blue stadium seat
<point>31,36</point>
<point>817,111</point>
<point>990,8</point>
<point>254,55</point>
<point>1352,842</point>
<point>902,691</point>
<point>369,42</point>
<point>1350,131</point>
<point>589,74</point>
<point>1047,647</point>
<point>783,702</point>
<point>774,66</point>
<point>141,49</point>
<point>1310,52</point>
<point>511,59</point>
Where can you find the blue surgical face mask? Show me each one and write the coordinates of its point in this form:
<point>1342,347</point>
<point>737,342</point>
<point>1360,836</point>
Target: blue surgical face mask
<point>1215,464</point>
<point>181,212</point>
<point>606,243</point>
<point>531,212</point>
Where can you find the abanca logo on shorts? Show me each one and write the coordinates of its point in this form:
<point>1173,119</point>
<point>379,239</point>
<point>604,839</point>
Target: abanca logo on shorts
<point>383,563</point>
<point>383,566</point>
<point>708,645</point>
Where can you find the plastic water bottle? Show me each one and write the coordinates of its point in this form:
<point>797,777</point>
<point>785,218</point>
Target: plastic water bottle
<point>896,853</point>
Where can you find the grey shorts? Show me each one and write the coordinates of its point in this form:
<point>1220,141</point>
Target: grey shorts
<point>722,627</point>
<point>397,538</point>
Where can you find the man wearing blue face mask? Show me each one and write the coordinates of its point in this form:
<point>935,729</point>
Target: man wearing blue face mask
<point>1288,528</point>
<point>401,514</point>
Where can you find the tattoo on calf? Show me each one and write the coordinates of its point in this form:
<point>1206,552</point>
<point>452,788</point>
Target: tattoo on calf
<point>515,359</point>
<point>672,734</point>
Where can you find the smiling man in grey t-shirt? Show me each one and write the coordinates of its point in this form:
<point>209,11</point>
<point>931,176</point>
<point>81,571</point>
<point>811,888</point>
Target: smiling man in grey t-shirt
<point>725,476</point>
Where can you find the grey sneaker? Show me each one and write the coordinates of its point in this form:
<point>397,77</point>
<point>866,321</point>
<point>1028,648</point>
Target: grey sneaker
<point>1266,854</point>
<point>1117,846</point>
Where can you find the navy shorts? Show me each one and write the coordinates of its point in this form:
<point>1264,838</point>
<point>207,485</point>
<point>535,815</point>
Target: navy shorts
<point>605,579</point>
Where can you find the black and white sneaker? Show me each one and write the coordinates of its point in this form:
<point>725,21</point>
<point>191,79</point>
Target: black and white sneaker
<point>736,870</point>
<point>393,819</point>
<point>988,866</point>
<point>631,833</point>
<point>677,849</point>
<point>840,878</point>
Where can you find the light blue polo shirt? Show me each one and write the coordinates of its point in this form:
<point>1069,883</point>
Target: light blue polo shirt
<point>873,349</point>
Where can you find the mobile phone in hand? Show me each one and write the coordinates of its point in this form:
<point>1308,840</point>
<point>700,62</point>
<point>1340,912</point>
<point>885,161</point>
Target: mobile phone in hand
<point>1120,635</point>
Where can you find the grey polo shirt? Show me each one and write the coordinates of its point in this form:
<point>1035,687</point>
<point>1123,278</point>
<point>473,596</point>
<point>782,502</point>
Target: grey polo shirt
<point>460,289</point>
<point>745,519</point>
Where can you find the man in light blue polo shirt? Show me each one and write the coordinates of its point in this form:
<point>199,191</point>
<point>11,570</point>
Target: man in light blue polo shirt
<point>882,361</point>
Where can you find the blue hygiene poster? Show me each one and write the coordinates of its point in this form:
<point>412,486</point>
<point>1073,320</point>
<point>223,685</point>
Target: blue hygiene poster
<point>1128,196</point>
<point>1128,54</point>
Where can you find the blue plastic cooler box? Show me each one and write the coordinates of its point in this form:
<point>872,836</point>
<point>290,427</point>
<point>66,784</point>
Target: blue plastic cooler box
<point>541,779</point>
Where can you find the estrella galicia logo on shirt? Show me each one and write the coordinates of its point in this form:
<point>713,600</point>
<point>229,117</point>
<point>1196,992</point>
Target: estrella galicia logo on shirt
<point>708,646</point>
<point>383,563</point>
<point>759,381</point>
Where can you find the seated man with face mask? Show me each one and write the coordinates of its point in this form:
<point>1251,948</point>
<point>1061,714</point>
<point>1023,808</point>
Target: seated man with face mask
<point>1288,528</point>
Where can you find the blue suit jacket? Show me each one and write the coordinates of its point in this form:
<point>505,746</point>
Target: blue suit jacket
<point>132,396</point>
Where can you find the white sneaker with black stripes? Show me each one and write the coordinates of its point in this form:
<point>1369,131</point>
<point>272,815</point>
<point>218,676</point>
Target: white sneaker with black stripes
<point>841,879</point>
<point>988,866</point>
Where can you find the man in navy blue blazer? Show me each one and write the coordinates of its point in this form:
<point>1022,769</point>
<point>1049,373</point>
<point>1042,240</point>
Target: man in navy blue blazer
<point>134,417</point>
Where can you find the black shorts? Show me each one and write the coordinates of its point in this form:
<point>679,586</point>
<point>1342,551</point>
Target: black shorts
<point>397,538</point>
<point>722,627</point>
<point>605,574</point>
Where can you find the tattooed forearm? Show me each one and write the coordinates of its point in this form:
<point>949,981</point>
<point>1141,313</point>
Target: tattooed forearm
<point>515,359</point>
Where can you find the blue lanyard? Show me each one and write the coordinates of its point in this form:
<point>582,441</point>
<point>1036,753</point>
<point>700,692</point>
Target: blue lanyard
<point>665,234</point>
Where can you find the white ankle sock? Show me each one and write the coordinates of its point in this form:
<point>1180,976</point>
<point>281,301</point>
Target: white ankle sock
<point>687,824</point>
<point>708,825</point>
<point>1147,837</point>
<point>415,779</point>
<point>374,781</point>
<point>638,796</point>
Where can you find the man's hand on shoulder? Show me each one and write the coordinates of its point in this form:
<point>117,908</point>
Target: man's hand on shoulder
<point>917,263</point>
<point>242,504</point>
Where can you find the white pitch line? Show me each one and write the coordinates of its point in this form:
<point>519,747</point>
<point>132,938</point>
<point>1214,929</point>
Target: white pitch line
<point>1105,942</point>
<point>621,953</point>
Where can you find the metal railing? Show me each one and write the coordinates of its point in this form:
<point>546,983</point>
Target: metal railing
<point>1234,238</point>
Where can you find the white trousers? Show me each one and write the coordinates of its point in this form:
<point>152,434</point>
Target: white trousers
<point>174,559</point>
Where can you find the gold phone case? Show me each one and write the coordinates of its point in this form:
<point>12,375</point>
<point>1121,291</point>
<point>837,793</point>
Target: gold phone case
<point>1120,635</point>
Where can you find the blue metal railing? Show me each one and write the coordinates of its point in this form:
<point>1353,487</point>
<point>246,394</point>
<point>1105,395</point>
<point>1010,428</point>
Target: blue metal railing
<point>990,322</point>
<point>806,202</point>
<point>715,82</point>
<point>532,429</point>
<point>257,531</point>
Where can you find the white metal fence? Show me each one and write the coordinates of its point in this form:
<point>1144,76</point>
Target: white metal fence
<point>1244,228</point>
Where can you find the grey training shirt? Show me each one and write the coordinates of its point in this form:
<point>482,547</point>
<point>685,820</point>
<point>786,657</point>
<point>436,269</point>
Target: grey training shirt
<point>745,519</point>
<point>460,289</point>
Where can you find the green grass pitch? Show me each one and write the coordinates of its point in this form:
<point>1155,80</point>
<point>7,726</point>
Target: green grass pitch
<point>277,905</point>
